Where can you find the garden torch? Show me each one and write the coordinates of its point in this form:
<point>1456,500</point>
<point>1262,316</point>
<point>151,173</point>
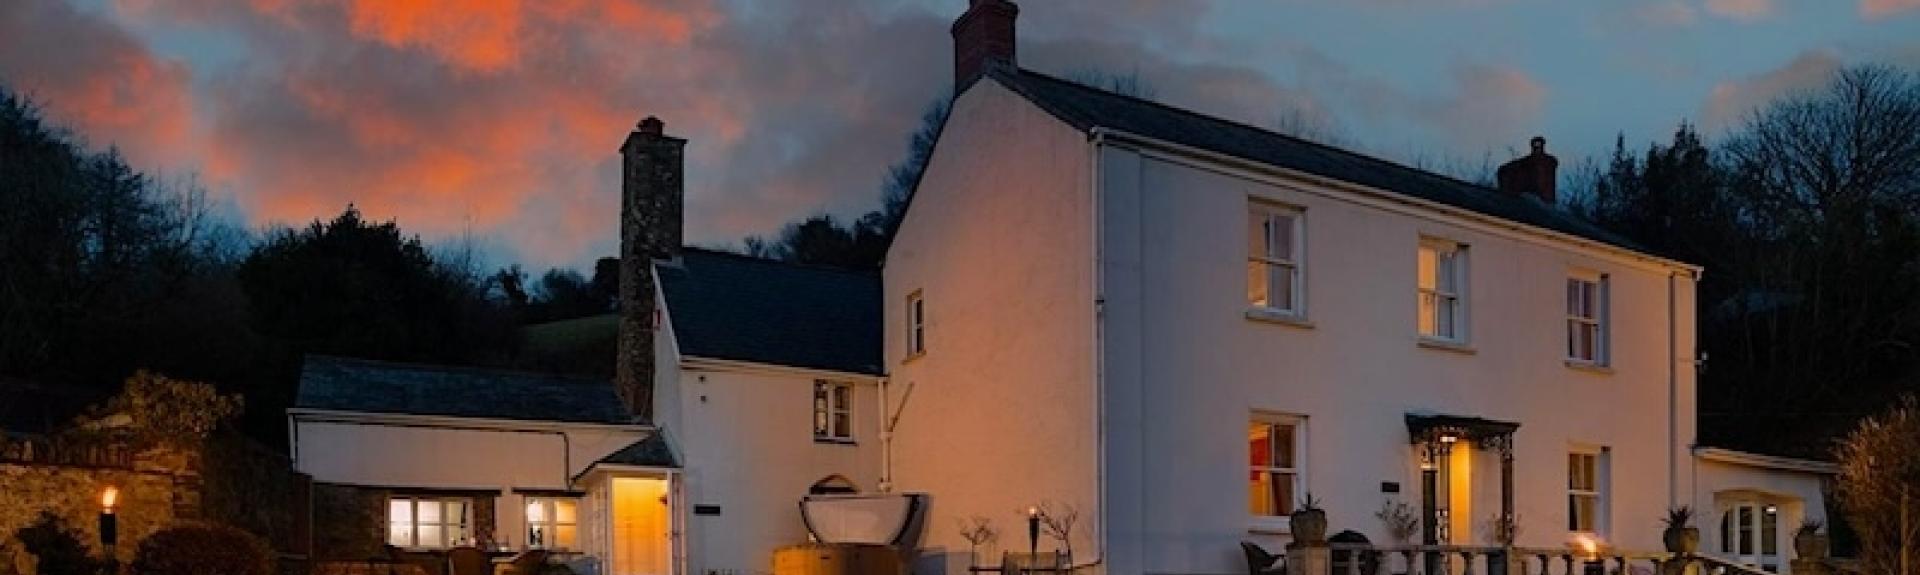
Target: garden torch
<point>109,525</point>
<point>1033,533</point>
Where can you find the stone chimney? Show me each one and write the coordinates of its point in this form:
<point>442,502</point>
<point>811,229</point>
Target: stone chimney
<point>652,196</point>
<point>1535,174</point>
<point>982,37</point>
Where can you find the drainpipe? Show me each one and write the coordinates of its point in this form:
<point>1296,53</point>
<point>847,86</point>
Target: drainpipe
<point>1096,240</point>
<point>886,440</point>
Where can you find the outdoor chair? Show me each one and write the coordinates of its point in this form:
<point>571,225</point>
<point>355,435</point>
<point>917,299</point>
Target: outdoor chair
<point>529,562</point>
<point>1260,562</point>
<point>468,561</point>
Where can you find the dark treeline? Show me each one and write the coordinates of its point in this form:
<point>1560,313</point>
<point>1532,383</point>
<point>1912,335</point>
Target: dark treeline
<point>1807,219</point>
<point>105,271</point>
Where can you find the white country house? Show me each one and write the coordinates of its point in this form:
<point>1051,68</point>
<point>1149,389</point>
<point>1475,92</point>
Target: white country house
<point>1178,325</point>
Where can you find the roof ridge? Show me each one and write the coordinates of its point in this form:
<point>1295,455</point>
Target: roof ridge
<point>1224,120</point>
<point>782,263</point>
<point>474,369</point>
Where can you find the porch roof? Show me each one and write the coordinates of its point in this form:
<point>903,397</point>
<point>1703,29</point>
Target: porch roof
<point>1424,427</point>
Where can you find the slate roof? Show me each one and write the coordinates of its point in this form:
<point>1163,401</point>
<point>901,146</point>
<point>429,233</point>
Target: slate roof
<point>735,307</point>
<point>651,451</point>
<point>368,386</point>
<point>1087,108</point>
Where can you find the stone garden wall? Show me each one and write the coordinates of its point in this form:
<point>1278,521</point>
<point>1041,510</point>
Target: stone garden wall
<point>154,490</point>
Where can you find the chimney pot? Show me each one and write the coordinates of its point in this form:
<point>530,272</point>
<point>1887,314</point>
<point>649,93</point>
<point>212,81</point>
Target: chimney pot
<point>983,37</point>
<point>653,125</point>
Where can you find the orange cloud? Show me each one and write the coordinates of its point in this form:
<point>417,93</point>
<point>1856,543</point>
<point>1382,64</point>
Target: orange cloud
<point>1732,100</point>
<point>57,56</point>
<point>1741,10</point>
<point>1877,9</point>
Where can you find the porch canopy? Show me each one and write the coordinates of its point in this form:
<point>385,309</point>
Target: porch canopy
<point>1435,435</point>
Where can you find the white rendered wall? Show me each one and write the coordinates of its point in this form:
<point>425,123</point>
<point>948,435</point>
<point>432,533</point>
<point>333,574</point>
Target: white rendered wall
<point>447,454</point>
<point>747,440</point>
<point>1185,367</point>
<point>998,242</point>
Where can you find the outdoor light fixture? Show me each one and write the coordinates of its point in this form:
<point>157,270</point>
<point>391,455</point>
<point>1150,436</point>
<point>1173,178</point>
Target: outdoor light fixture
<point>1772,509</point>
<point>109,525</point>
<point>1448,438</point>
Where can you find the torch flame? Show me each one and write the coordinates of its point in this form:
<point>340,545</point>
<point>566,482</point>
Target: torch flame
<point>109,497</point>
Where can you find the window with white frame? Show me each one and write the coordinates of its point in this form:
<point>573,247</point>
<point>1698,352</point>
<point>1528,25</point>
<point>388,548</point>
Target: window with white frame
<point>426,522</point>
<point>832,411</point>
<point>1587,318</point>
<point>1275,270</point>
<point>1586,490</point>
<point>916,325</point>
<point>1276,467</point>
<point>1750,532</point>
<point>553,523</point>
<point>1442,270</point>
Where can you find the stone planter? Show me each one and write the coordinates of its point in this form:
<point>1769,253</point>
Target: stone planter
<point>1682,540</point>
<point>1309,527</point>
<point>1808,545</point>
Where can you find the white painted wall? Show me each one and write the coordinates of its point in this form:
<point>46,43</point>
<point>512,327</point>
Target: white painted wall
<point>998,240</point>
<point>1185,366</point>
<point>451,453</point>
<point>747,436</point>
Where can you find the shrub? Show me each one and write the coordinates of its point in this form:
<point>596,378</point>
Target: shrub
<point>195,549</point>
<point>56,547</point>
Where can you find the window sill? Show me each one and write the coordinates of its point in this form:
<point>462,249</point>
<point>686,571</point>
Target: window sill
<point>910,357</point>
<point>1447,345</point>
<point>1589,367</point>
<point>825,441</point>
<point>1279,317</point>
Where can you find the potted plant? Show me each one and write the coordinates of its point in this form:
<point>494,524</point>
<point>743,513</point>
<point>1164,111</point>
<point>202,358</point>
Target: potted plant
<point>1809,542</point>
<point>1502,531</point>
<point>1401,521</point>
<point>1309,522</point>
<point>1680,536</point>
<point>977,531</point>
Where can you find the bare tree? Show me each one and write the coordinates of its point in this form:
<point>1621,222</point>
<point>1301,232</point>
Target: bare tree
<point>1880,488</point>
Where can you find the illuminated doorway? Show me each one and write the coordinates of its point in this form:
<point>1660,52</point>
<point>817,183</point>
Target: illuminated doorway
<point>641,541</point>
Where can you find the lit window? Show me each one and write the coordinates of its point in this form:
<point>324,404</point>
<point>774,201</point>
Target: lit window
<point>916,325</point>
<point>1586,491</point>
<point>1276,476</point>
<point>1274,267</point>
<point>1442,281</point>
<point>553,523</point>
<point>832,411</point>
<point>416,522</point>
<point>1587,319</point>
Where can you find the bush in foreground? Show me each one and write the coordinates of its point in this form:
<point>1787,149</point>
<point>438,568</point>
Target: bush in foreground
<point>196,549</point>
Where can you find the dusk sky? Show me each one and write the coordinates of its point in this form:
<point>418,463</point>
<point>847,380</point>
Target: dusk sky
<point>502,117</point>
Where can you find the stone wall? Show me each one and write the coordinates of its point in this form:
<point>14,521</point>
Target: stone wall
<point>154,492</point>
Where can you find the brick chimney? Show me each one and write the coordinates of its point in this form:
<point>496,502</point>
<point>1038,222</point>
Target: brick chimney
<point>652,196</point>
<point>982,37</point>
<point>1535,174</point>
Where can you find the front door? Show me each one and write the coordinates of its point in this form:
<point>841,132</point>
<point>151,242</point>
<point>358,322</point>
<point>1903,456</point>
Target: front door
<point>1750,534</point>
<point>642,519</point>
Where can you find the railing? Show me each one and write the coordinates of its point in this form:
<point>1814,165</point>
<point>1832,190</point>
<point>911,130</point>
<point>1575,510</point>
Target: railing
<point>1364,559</point>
